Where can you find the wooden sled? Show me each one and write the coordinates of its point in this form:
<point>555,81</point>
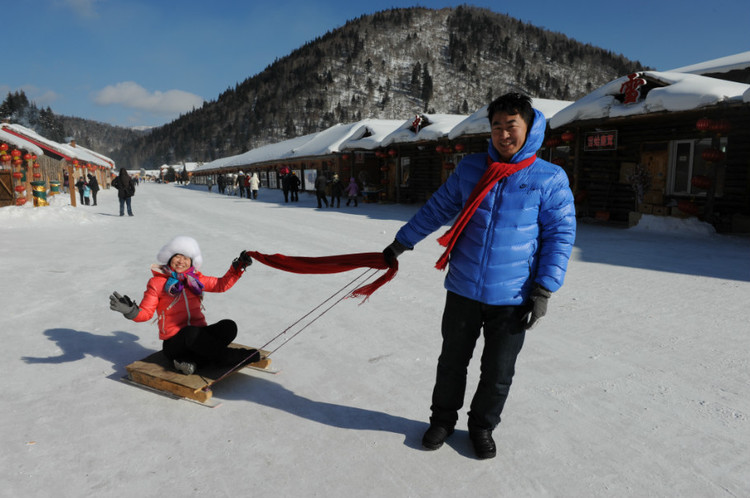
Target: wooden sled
<point>157,372</point>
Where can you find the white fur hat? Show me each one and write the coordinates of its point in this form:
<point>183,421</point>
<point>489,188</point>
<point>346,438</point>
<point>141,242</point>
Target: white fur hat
<point>182,244</point>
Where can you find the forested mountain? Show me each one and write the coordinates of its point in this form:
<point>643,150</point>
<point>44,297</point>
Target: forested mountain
<point>391,65</point>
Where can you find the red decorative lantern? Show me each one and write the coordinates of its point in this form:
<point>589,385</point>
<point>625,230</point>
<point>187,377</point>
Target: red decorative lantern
<point>701,181</point>
<point>393,153</point>
<point>75,163</point>
<point>20,201</point>
<point>17,175</point>
<point>15,153</point>
<point>3,147</point>
<point>449,166</point>
<point>36,165</point>
<point>552,142</point>
<point>37,175</point>
<point>703,124</point>
<point>460,147</point>
<point>688,207</point>
<point>20,188</point>
<point>447,150</point>
<point>27,157</point>
<point>439,149</point>
<point>17,161</point>
<point>712,155</point>
<point>568,136</point>
<point>5,158</point>
<point>721,126</point>
<point>345,157</point>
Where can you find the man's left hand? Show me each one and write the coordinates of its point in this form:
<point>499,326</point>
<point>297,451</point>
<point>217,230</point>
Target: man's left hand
<point>537,308</point>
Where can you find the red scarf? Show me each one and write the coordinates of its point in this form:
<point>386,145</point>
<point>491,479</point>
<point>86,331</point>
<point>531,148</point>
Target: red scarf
<point>493,174</point>
<point>333,264</point>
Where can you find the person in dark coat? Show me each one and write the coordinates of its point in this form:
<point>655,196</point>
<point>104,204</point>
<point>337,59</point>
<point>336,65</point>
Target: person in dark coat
<point>94,186</point>
<point>320,190</point>
<point>506,254</point>
<point>125,190</point>
<point>294,184</point>
<point>337,190</point>
<point>80,185</point>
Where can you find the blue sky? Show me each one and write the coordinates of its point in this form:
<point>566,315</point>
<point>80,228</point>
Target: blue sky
<point>143,62</point>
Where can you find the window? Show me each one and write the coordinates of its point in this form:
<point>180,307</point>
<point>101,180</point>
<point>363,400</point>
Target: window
<point>686,162</point>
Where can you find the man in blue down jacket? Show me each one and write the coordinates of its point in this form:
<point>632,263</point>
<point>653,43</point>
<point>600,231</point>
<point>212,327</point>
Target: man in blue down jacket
<point>510,256</point>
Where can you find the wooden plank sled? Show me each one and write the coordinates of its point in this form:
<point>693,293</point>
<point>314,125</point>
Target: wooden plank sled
<point>157,372</point>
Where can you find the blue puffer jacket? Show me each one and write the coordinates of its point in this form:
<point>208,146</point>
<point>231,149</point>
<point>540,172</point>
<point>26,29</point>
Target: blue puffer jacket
<point>521,234</point>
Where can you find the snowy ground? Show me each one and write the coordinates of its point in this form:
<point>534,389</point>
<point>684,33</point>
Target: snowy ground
<point>636,384</point>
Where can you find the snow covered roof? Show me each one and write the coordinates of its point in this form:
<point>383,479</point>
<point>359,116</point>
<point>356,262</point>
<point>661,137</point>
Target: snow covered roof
<point>478,123</point>
<point>65,150</point>
<point>432,127</point>
<point>669,91</point>
<point>19,142</point>
<point>720,65</point>
<point>370,134</point>
<point>328,141</point>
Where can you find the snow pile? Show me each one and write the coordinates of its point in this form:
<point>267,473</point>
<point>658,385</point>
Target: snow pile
<point>58,212</point>
<point>673,225</point>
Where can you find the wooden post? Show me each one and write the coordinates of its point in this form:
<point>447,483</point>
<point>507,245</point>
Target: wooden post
<point>71,185</point>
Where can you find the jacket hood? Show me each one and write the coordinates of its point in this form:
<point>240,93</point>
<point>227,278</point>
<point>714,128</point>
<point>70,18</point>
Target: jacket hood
<point>533,143</point>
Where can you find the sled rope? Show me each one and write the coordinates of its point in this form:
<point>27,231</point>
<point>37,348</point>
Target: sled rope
<point>366,275</point>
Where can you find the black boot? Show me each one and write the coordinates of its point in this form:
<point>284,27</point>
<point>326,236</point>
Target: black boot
<point>435,436</point>
<point>484,445</point>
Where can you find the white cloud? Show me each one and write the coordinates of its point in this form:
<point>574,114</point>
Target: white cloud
<point>132,95</point>
<point>84,8</point>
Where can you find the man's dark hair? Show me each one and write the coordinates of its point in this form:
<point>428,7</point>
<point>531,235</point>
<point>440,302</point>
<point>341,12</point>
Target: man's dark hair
<point>512,103</point>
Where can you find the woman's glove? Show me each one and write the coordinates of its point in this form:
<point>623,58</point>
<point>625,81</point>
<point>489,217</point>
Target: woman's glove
<point>124,305</point>
<point>243,261</point>
<point>393,251</point>
<point>537,308</point>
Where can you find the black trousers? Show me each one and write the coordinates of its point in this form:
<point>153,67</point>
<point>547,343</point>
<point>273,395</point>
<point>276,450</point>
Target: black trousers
<point>201,345</point>
<point>463,320</point>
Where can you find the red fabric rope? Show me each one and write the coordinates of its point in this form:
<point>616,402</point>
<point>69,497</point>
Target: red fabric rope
<point>493,174</point>
<point>333,264</point>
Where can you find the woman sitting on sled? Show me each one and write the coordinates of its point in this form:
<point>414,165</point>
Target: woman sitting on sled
<point>175,294</point>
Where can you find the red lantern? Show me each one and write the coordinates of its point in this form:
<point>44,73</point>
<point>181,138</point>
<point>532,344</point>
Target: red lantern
<point>37,175</point>
<point>460,147</point>
<point>449,166</point>
<point>17,162</point>
<point>701,181</point>
<point>568,136</point>
<point>703,124</point>
<point>721,126</point>
<point>552,142</point>
<point>3,147</point>
<point>392,153</point>
<point>439,149</point>
<point>5,158</point>
<point>20,201</point>
<point>712,155</point>
<point>17,175</point>
<point>20,188</point>
<point>15,153</point>
<point>688,207</point>
<point>447,150</point>
<point>345,157</point>
<point>27,157</point>
<point>36,165</point>
<point>75,163</point>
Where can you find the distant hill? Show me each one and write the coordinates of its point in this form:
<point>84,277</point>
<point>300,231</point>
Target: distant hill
<point>391,64</point>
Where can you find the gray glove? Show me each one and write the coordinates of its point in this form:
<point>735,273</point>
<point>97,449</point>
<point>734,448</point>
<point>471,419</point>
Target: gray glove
<point>393,251</point>
<point>124,305</point>
<point>537,308</point>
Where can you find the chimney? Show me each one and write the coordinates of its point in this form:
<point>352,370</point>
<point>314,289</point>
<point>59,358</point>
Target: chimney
<point>72,143</point>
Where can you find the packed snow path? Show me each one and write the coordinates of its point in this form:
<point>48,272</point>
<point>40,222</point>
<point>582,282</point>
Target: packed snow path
<point>635,384</point>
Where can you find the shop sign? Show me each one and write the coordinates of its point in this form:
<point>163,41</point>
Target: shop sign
<point>600,140</point>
